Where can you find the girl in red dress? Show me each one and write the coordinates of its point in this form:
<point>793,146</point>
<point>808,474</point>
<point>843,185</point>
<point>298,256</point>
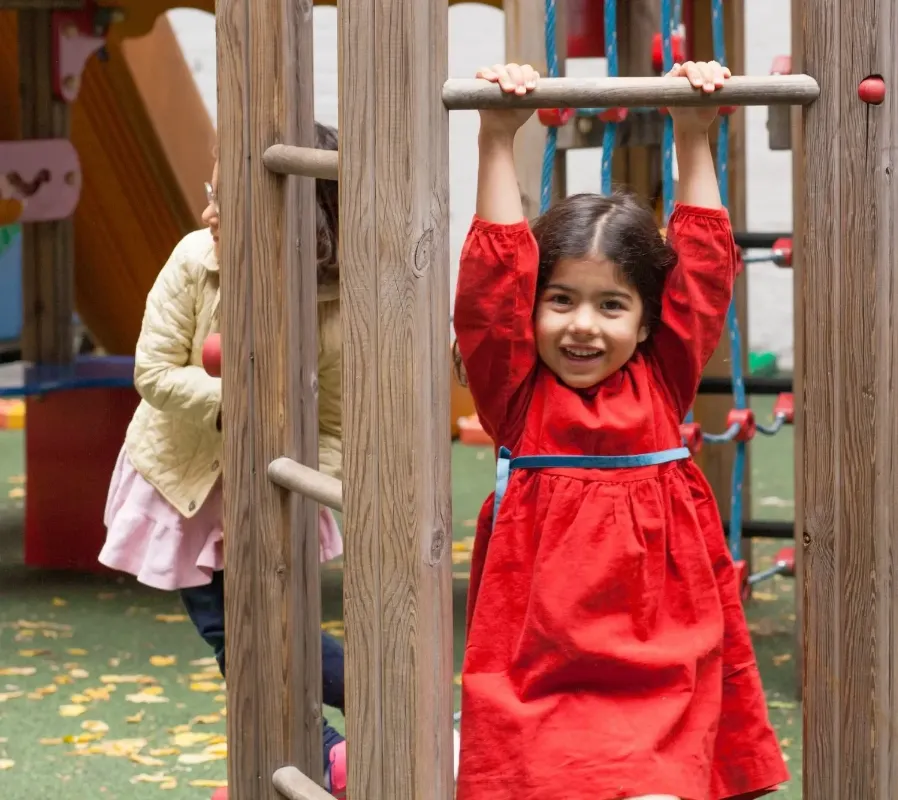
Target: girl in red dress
<point>607,655</point>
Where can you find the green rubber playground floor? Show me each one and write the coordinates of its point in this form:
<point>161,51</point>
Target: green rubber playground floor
<point>107,692</point>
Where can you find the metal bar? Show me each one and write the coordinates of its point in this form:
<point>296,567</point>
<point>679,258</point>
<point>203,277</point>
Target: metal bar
<point>293,785</point>
<point>460,94</point>
<point>765,529</point>
<point>285,159</point>
<point>753,385</point>
<point>288,474</point>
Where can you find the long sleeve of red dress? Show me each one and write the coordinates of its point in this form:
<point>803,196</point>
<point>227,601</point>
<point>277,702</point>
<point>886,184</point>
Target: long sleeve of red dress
<point>494,323</point>
<point>695,300</point>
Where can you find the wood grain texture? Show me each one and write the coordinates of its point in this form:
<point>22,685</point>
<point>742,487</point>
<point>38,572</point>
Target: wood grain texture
<point>850,436</point>
<point>745,90</point>
<point>48,248</point>
<point>394,207</point>
<point>269,303</point>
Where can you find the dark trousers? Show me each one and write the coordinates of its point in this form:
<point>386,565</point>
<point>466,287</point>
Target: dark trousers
<point>205,607</point>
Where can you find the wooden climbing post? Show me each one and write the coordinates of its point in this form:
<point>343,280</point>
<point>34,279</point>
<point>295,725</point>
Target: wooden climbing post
<point>849,425</point>
<point>48,248</point>
<point>394,262</point>
<point>269,343</point>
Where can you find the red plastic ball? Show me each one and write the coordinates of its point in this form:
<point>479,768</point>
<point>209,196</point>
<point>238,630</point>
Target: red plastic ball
<point>872,90</point>
<point>212,355</point>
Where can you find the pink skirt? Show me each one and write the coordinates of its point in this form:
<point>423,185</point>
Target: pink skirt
<point>148,538</point>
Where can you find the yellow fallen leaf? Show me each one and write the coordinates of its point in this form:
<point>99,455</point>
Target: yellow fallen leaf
<point>163,661</point>
<point>50,741</point>
<point>457,680</point>
<point>50,634</point>
<point>82,738</point>
<point>146,761</point>
<point>62,680</point>
<point>785,742</point>
<point>171,618</point>
<point>206,676</point>
<point>80,699</point>
<point>101,693</point>
<point>59,602</point>
<point>4,696</point>
<point>6,763</point>
<point>43,691</point>
<point>143,697</point>
<point>205,686</point>
<point>39,625</point>
<point>198,758</point>
<point>33,653</point>
<point>206,719</point>
<point>220,698</point>
<point>782,659</point>
<point>153,690</point>
<point>79,674</point>
<point>17,479</point>
<point>18,671</point>
<point>171,783</point>
<point>115,663</point>
<point>206,783</point>
<point>210,661</point>
<point>72,710</point>
<point>179,729</point>
<point>217,748</point>
<point>116,679</point>
<point>16,493</point>
<point>159,752</point>
<point>158,777</point>
<point>764,597</point>
<point>94,726</point>
<point>780,704</point>
<point>189,738</point>
<point>135,718</point>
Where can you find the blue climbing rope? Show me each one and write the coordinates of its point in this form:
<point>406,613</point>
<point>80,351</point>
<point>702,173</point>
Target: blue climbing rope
<point>545,194</point>
<point>668,24</point>
<point>609,137</point>
<point>739,402</point>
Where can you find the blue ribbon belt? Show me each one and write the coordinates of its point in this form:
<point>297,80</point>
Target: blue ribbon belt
<point>506,464</point>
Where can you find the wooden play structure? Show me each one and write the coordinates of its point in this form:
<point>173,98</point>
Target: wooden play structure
<point>394,206</point>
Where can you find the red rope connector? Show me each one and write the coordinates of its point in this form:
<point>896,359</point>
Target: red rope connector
<point>676,44</point>
<point>786,558</point>
<point>742,578</point>
<point>726,111</point>
<point>691,433</point>
<point>785,407</point>
<point>872,90</point>
<point>745,419</point>
<point>614,115</point>
<point>555,117</point>
<point>782,252</point>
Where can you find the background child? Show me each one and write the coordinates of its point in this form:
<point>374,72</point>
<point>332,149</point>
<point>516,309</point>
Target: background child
<point>164,509</point>
<point>606,638</point>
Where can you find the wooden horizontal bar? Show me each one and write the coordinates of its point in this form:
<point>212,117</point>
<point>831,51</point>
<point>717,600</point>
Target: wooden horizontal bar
<point>293,785</point>
<point>288,474</point>
<point>470,94</point>
<point>285,159</point>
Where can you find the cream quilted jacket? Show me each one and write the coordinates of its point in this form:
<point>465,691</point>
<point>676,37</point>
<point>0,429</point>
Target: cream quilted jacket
<point>173,440</point>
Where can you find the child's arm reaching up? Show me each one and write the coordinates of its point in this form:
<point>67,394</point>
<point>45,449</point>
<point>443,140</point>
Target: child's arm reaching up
<point>699,290</point>
<point>497,275</point>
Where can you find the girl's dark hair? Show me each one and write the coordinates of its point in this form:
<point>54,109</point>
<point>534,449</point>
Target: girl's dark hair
<point>618,227</point>
<point>328,213</point>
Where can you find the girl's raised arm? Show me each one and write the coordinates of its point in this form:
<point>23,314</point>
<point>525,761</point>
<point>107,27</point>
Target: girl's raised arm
<point>497,275</point>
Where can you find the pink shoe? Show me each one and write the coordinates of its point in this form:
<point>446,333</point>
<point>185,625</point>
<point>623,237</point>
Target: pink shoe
<point>338,771</point>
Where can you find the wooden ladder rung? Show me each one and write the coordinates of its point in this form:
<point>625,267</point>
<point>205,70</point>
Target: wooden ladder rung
<point>308,162</point>
<point>288,474</point>
<point>293,785</point>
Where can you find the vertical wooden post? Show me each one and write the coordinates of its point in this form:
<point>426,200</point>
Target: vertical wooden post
<point>269,290</point>
<point>849,425</point>
<point>48,248</point>
<point>717,460</point>
<point>798,347</point>
<point>394,207</point>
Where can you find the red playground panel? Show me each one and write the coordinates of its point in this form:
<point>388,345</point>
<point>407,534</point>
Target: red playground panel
<point>72,440</point>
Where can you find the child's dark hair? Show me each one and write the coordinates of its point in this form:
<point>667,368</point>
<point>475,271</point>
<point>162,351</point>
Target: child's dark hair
<point>328,213</point>
<point>618,227</point>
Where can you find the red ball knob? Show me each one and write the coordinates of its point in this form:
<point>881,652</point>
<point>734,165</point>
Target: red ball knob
<point>872,90</point>
<point>212,355</point>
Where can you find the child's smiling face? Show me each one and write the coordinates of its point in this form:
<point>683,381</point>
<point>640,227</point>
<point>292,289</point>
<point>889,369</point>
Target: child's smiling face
<point>588,321</point>
<point>212,214</point>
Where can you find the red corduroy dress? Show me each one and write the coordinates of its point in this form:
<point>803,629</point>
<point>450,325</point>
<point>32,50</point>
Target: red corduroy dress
<point>607,654</point>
